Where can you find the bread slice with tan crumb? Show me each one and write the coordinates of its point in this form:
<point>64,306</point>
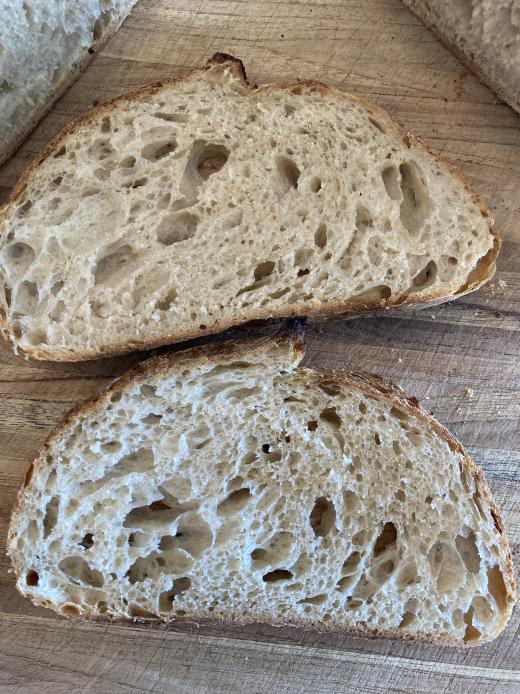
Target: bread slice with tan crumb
<point>44,46</point>
<point>485,34</point>
<point>230,483</point>
<point>202,203</point>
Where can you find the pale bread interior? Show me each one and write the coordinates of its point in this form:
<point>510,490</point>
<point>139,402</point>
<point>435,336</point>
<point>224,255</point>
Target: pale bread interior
<point>41,46</point>
<point>486,33</point>
<point>243,488</point>
<point>205,204</point>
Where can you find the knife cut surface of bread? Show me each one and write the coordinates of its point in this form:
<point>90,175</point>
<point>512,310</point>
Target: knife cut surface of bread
<point>485,34</point>
<point>203,203</point>
<point>44,45</point>
<point>229,483</point>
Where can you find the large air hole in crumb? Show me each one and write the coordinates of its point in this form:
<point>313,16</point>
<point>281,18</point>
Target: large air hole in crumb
<point>166,598</point>
<point>426,277</point>
<point>399,415</point>
<point>204,160</point>
<point>114,263</point>
<point>497,587</point>
<point>127,163</point>
<point>263,270</point>
<point>386,539</point>
<point>234,502</point>
<point>314,599</point>
<point>18,256</point>
<point>176,227</point>
<point>416,204</point>
<point>377,125</point>
<point>167,301</point>
<point>51,515</point>
<point>315,184</point>
<point>390,179</point>
<point>172,117</point>
<point>80,572</point>
<point>372,296</point>
<point>446,564</point>
<point>331,389</point>
<point>350,500</point>
<point>288,173</point>
<point>262,274</point>
<point>139,612</point>
<point>211,159</point>
<point>7,298</point>
<point>193,535</point>
<point>88,541</point>
<point>158,150</point>
<point>331,416</point>
<point>101,149</point>
<point>471,633</point>
<point>276,551</point>
<point>155,564</point>
<point>467,548</point>
<point>407,619</point>
<point>322,517</point>
<point>302,256</point>
<point>408,575</point>
<point>141,460</point>
<point>351,563</point>
<point>320,236</point>
<point>416,438</point>
<point>32,578</point>
<point>159,513</point>
<point>346,583</point>
<point>97,31</point>
<point>152,419</point>
<point>277,575</point>
<point>27,297</point>
<point>23,208</point>
<point>363,219</point>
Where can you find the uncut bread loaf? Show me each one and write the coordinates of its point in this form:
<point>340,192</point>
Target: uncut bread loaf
<point>202,203</point>
<point>485,34</point>
<point>229,483</point>
<point>43,48</point>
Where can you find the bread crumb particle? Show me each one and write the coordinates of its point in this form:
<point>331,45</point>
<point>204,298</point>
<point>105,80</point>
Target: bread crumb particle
<point>498,287</point>
<point>469,393</point>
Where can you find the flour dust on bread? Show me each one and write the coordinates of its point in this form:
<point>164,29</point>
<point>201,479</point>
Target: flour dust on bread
<point>228,483</point>
<point>203,203</point>
<point>43,48</point>
<point>485,34</point>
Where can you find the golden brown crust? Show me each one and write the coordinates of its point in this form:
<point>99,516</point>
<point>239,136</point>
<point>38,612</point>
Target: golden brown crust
<point>67,81</point>
<point>500,89</point>
<point>371,385</point>
<point>483,272</point>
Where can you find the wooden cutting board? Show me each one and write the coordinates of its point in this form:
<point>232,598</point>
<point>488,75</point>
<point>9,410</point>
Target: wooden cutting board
<point>461,359</point>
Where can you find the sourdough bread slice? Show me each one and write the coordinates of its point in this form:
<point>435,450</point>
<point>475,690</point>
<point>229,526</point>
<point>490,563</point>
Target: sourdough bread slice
<point>485,34</point>
<point>203,203</point>
<point>228,483</point>
<point>44,46</point>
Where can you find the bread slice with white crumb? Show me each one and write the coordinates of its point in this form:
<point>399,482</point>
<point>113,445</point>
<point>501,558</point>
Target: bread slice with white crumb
<point>230,483</point>
<point>45,47</point>
<point>201,203</point>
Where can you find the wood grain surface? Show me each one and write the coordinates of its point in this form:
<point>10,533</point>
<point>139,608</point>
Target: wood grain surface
<point>462,359</point>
